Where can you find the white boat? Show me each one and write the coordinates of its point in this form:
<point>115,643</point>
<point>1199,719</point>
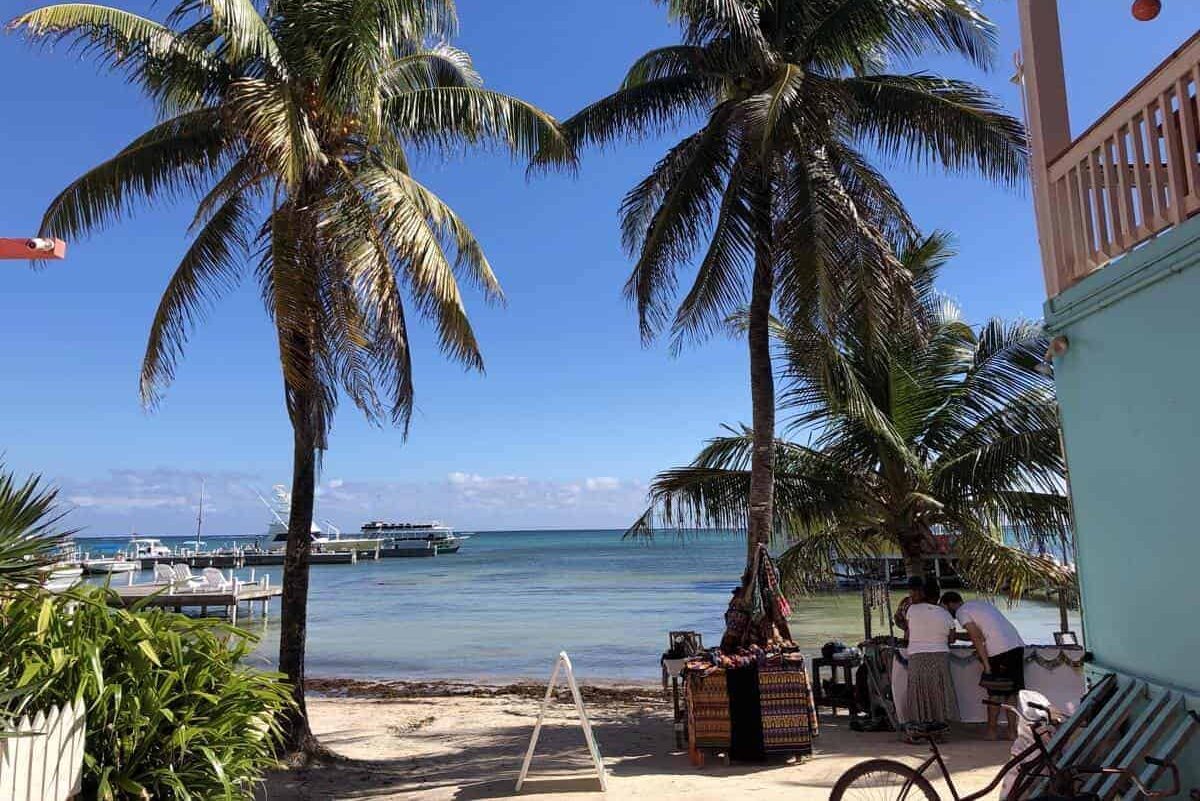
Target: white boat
<point>277,529</point>
<point>110,565</point>
<point>146,548</point>
<point>61,577</point>
<point>413,539</point>
<point>65,571</point>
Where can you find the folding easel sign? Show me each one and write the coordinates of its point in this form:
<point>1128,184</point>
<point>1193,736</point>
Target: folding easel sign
<point>563,666</point>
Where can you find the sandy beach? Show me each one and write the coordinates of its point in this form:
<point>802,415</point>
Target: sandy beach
<point>438,740</point>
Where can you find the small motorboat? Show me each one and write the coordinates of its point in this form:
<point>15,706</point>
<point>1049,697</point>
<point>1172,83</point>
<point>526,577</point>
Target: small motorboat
<point>61,577</point>
<point>110,565</point>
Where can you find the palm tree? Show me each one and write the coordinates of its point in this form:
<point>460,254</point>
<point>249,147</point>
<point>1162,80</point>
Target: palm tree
<point>29,533</point>
<point>292,122</point>
<point>774,193</point>
<point>933,424</point>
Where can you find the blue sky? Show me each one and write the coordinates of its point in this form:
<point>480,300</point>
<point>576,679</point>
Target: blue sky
<point>573,416</point>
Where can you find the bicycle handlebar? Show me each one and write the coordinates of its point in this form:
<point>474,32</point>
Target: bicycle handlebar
<point>1132,776</point>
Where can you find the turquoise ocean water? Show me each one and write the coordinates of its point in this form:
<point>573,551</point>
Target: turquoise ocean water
<point>508,602</point>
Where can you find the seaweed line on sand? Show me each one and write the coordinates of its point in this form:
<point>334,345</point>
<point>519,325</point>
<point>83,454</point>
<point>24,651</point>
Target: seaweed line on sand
<point>364,688</point>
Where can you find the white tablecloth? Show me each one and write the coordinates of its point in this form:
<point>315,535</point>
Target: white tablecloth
<point>1045,672</point>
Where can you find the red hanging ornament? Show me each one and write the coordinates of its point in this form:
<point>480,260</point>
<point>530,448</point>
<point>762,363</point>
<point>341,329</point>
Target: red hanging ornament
<point>1146,10</point>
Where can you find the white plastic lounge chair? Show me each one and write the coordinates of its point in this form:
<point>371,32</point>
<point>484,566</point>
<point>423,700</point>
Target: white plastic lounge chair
<point>184,577</point>
<point>163,574</point>
<point>214,579</point>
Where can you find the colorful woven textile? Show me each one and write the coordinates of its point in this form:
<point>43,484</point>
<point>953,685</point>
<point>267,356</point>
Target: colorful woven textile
<point>708,709</point>
<point>789,720</point>
<point>768,578</point>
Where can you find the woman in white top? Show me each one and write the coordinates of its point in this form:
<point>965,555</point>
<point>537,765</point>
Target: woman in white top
<point>931,697</point>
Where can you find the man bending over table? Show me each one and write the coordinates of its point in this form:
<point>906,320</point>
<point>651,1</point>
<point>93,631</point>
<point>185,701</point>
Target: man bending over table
<point>1001,651</point>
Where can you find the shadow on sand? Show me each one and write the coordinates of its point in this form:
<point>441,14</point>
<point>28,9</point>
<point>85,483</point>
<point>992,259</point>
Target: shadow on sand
<point>634,744</point>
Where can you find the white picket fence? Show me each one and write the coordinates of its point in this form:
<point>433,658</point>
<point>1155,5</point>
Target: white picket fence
<point>42,759</point>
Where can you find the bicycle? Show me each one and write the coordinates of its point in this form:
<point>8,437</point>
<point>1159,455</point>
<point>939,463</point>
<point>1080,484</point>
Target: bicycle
<point>890,780</point>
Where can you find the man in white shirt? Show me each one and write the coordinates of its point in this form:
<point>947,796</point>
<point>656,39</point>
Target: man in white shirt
<point>1000,649</point>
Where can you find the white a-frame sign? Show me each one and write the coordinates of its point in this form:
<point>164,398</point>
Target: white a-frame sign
<point>563,664</point>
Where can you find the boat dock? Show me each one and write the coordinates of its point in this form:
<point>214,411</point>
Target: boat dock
<point>228,559</point>
<point>202,598</point>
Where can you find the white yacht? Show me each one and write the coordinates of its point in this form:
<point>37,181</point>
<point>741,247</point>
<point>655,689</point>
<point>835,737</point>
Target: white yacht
<point>146,548</point>
<point>413,539</point>
<point>277,529</point>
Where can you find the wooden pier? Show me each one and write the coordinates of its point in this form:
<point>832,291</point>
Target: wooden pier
<point>227,559</point>
<point>203,598</point>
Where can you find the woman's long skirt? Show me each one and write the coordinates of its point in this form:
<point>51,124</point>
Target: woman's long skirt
<point>931,697</point>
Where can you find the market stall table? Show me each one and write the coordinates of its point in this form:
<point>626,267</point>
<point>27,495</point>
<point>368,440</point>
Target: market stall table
<point>847,697</point>
<point>1054,671</point>
<point>764,707</point>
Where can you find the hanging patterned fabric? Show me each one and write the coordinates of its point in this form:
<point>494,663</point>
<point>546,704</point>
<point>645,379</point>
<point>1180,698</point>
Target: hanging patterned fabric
<point>768,582</point>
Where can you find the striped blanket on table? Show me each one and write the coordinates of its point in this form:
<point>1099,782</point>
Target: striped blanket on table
<point>789,720</point>
<point>708,708</point>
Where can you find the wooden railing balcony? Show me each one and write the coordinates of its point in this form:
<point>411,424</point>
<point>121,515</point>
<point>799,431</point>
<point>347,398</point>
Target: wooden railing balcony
<point>1130,176</point>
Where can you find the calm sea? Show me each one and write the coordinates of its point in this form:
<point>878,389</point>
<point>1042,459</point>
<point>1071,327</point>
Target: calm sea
<point>508,602</point>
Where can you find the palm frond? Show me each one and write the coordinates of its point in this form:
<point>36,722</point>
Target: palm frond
<point>470,261</point>
<point>706,20</point>
<point>366,260</point>
<point>989,565</point>
<point>720,284</point>
<point>277,128</point>
<point>174,159</point>
<point>442,65</point>
<point>443,116</point>
<point>849,33</point>
<point>666,216</point>
<point>925,119</point>
<point>417,253</point>
<point>210,268</point>
<point>810,563</point>
<point>245,35</point>
<point>29,532</point>
<point>647,109</point>
<point>172,68</point>
<point>665,62</point>
<point>769,111</point>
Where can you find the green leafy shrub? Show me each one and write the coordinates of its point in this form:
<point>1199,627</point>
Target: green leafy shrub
<point>29,537</point>
<point>172,710</point>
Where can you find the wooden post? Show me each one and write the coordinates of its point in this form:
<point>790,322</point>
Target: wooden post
<point>1048,121</point>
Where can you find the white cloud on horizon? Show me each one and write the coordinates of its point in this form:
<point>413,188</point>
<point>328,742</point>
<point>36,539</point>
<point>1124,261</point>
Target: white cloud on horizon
<point>602,483</point>
<point>165,501</point>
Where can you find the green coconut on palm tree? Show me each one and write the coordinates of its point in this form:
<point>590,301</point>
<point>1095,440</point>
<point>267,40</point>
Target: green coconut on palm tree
<point>291,124</point>
<point>931,425</point>
<point>774,197</point>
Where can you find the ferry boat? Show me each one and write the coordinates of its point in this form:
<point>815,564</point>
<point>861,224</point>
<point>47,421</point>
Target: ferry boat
<point>413,539</point>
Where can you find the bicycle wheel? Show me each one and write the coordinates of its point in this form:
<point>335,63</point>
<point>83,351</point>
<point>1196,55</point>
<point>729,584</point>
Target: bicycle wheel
<point>882,780</point>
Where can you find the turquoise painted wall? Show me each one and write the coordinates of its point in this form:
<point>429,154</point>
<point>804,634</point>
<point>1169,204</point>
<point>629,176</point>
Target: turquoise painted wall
<point>1129,391</point>
<point>1129,388</point>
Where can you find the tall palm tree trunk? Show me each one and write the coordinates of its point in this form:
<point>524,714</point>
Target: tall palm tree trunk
<point>762,389</point>
<point>913,549</point>
<point>298,737</point>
